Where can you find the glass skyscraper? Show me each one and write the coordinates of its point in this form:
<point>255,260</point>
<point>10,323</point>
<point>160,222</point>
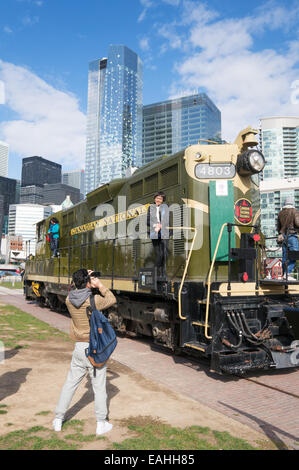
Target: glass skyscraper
<point>170,126</point>
<point>280,146</point>
<point>114,116</point>
<point>4,150</point>
<point>279,138</point>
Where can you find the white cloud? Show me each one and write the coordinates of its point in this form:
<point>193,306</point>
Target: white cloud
<point>224,59</point>
<point>144,44</point>
<point>173,3</point>
<point>7,30</point>
<point>146,4</point>
<point>30,20</point>
<point>49,122</point>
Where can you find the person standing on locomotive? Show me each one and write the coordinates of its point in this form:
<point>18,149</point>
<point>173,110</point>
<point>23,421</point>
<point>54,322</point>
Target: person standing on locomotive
<point>53,234</point>
<point>77,303</point>
<point>287,226</point>
<point>158,223</point>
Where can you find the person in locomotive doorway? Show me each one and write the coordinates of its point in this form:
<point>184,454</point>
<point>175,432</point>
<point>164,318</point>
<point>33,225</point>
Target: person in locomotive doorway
<point>287,226</point>
<point>53,236</point>
<point>158,223</point>
<point>77,303</point>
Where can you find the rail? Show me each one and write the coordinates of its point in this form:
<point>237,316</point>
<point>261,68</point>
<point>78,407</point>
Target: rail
<point>209,281</point>
<point>294,254</point>
<point>229,227</point>
<point>186,266</point>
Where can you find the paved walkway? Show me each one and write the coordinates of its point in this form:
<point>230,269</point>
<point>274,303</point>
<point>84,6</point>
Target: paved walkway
<point>267,402</point>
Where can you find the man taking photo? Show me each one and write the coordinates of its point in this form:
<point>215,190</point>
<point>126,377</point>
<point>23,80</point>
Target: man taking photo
<point>77,303</point>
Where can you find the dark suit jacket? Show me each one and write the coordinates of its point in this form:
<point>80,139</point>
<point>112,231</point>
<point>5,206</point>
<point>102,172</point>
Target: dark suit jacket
<point>152,220</point>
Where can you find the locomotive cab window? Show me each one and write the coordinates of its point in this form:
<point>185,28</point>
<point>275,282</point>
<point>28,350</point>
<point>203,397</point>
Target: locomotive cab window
<point>215,170</point>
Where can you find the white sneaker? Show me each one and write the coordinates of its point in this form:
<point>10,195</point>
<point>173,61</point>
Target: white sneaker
<point>103,426</point>
<point>57,423</point>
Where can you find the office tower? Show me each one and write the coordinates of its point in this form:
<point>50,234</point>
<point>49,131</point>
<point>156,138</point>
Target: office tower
<point>56,193</point>
<point>279,142</point>
<point>4,151</point>
<point>8,191</point>
<point>280,146</point>
<point>74,178</point>
<point>114,116</point>
<point>22,222</point>
<point>170,126</point>
<point>37,171</point>
<point>31,195</point>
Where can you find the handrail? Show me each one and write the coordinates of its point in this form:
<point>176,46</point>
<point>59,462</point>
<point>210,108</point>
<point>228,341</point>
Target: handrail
<point>186,266</point>
<point>209,281</point>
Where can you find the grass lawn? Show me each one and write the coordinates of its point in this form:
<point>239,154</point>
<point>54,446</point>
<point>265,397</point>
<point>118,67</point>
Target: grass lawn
<point>17,330</point>
<point>10,285</point>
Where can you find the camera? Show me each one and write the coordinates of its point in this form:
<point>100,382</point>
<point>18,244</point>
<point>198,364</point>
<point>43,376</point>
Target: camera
<point>95,274</point>
<point>94,290</point>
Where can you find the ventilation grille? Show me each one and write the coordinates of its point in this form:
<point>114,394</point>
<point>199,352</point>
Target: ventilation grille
<point>151,183</point>
<point>169,176</point>
<point>136,190</point>
<point>136,249</point>
<point>178,235</point>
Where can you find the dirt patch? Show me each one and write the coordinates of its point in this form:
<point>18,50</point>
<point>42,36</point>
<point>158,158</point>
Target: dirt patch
<point>32,378</point>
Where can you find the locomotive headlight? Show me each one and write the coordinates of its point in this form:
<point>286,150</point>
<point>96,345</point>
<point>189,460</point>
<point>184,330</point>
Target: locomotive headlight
<point>250,162</point>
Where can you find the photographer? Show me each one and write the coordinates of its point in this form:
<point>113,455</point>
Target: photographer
<point>77,303</point>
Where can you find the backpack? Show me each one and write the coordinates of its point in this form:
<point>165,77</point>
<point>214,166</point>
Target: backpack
<point>102,337</point>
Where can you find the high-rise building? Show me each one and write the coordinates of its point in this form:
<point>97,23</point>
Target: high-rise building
<point>114,116</point>
<point>280,146</point>
<point>22,222</point>
<point>32,194</point>
<point>279,142</point>
<point>37,171</point>
<point>8,191</point>
<point>56,193</point>
<point>74,178</point>
<point>4,151</point>
<point>170,126</point>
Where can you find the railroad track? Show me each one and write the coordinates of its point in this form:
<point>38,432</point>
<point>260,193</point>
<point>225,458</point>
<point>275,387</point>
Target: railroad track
<point>271,387</point>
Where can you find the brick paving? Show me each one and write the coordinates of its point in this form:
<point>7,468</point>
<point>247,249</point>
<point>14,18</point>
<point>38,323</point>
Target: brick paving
<point>247,400</point>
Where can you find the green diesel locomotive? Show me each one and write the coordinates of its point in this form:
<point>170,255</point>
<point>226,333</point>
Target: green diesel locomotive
<point>213,299</point>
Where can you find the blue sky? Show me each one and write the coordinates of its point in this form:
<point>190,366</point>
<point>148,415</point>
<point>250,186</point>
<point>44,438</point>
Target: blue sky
<point>243,55</point>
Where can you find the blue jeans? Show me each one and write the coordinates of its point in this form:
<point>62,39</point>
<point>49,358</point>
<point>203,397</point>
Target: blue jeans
<point>292,246</point>
<point>54,246</point>
<point>79,366</point>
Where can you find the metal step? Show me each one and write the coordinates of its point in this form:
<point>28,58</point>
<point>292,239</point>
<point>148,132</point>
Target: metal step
<point>277,282</point>
<point>196,345</point>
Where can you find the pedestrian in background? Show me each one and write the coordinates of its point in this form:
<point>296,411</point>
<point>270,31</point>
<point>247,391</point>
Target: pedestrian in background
<point>53,234</point>
<point>287,226</point>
